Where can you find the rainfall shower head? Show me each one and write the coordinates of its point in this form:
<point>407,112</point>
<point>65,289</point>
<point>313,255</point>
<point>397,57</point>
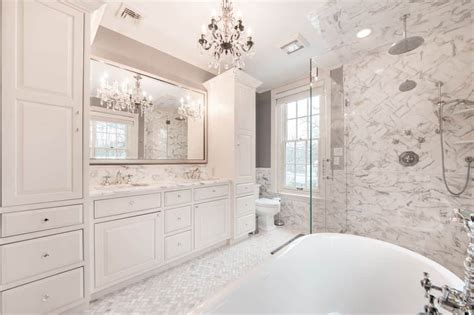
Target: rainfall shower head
<point>406,86</point>
<point>407,43</point>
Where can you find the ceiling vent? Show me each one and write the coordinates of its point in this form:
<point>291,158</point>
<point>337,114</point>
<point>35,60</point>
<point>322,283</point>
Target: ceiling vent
<point>126,11</point>
<point>295,44</point>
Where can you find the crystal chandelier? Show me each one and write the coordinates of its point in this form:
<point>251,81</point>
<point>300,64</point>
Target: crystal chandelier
<point>223,38</point>
<point>124,98</point>
<point>189,110</point>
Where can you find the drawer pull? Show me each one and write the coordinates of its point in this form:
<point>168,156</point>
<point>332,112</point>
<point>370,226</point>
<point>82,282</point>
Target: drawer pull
<point>179,218</point>
<point>45,298</point>
<point>131,203</point>
<point>179,243</point>
<point>179,196</point>
<point>196,207</point>
<point>213,190</point>
<point>46,220</point>
<point>45,255</point>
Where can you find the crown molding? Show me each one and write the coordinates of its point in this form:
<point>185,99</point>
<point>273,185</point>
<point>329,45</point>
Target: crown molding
<point>86,6</point>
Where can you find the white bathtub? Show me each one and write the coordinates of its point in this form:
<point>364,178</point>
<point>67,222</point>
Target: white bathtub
<point>334,274</point>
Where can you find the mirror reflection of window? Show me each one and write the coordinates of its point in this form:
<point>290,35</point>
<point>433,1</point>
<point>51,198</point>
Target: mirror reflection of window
<point>112,137</point>
<point>142,117</point>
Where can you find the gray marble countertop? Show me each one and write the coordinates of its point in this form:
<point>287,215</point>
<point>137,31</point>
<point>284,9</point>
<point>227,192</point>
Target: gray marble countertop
<point>112,190</point>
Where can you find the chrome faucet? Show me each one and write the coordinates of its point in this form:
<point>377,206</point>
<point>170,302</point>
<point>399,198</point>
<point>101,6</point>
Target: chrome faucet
<point>453,300</point>
<point>194,173</point>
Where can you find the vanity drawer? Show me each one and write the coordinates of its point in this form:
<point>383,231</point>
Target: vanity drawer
<point>211,192</point>
<point>109,207</point>
<point>245,205</point>
<point>45,296</point>
<point>245,225</point>
<point>178,197</point>
<point>245,189</point>
<point>178,245</point>
<point>177,219</point>
<point>33,257</point>
<point>15,223</point>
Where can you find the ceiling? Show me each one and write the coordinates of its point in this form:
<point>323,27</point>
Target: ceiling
<point>329,26</point>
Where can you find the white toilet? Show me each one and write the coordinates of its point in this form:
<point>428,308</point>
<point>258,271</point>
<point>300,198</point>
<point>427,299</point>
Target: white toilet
<point>266,209</point>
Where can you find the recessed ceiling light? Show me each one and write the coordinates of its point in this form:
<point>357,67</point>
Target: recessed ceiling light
<point>364,33</point>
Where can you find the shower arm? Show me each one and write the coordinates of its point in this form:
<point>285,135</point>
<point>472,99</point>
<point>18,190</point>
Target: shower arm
<point>404,18</point>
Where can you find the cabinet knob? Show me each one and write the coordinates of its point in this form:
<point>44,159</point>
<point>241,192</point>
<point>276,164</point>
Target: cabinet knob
<point>213,190</point>
<point>46,220</point>
<point>179,218</point>
<point>45,297</point>
<point>45,255</point>
<point>179,196</point>
<point>131,203</point>
<point>179,243</point>
<point>77,129</point>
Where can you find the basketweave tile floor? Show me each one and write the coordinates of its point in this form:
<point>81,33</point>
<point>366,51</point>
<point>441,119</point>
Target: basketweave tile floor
<point>180,289</point>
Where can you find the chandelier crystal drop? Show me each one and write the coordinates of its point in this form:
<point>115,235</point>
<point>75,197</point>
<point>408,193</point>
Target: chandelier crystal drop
<point>223,37</point>
<point>124,98</point>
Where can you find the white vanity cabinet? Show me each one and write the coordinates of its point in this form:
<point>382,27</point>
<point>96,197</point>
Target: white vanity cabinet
<point>139,233</point>
<point>231,122</point>
<point>127,246</point>
<point>211,223</point>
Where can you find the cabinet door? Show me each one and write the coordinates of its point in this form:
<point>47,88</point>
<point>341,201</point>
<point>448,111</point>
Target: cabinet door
<point>128,246</point>
<point>42,50</point>
<point>245,157</point>
<point>245,108</point>
<point>211,223</point>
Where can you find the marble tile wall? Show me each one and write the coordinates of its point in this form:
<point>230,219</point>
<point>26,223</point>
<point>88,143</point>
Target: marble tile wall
<point>144,173</point>
<point>409,206</point>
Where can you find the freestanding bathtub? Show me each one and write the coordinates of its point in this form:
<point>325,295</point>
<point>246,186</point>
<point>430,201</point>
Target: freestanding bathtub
<point>333,274</point>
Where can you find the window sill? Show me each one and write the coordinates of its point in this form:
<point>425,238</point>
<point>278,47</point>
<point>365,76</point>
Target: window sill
<point>299,196</point>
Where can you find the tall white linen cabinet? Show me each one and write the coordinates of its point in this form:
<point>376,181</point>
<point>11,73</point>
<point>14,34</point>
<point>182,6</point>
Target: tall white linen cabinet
<point>231,153</point>
<point>43,238</point>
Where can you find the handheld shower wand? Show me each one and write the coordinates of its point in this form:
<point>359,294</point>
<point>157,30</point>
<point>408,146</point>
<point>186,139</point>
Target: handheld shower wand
<point>469,159</point>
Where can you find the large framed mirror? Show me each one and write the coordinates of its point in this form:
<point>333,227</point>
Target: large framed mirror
<point>138,118</point>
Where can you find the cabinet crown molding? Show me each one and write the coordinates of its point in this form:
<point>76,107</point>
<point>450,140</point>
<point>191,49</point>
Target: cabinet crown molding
<point>237,75</point>
<point>87,6</point>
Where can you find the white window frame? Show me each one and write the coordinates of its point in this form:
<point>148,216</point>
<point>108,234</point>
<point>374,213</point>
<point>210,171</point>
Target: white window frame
<point>131,119</point>
<point>278,134</point>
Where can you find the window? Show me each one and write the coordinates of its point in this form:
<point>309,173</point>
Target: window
<point>299,130</point>
<point>111,137</point>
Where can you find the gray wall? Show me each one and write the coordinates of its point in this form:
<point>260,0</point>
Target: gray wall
<point>124,50</point>
<point>264,129</point>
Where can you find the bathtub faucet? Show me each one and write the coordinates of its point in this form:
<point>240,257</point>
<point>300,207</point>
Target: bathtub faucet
<point>453,300</point>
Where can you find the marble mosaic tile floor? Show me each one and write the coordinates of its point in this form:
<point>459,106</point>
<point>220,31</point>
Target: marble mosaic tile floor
<point>179,290</point>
